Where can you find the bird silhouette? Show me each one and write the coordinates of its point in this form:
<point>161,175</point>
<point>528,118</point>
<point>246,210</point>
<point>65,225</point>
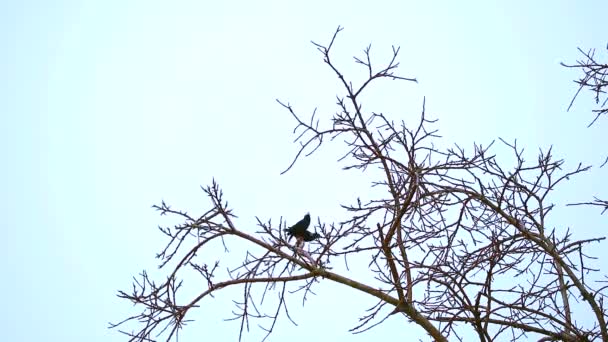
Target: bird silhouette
<point>300,231</point>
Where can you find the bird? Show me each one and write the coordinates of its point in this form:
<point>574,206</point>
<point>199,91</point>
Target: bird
<point>299,230</point>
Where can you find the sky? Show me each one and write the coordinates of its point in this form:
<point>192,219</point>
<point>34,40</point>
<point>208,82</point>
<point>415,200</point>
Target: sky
<point>109,107</point>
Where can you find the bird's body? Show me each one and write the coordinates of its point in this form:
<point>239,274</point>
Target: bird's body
<point>308,236</point>
<point>300,231</point>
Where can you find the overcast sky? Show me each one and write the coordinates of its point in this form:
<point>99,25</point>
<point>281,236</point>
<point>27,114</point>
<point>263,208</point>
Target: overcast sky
<point>108,107</point>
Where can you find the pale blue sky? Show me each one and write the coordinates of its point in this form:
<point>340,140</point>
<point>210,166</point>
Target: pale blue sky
<point>109,107</point>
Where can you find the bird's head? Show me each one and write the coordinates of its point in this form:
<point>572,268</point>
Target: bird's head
<point>308,236</point>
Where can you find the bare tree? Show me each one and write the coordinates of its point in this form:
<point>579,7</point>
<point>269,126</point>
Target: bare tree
<point>459,245</point>
<point>594,78</point>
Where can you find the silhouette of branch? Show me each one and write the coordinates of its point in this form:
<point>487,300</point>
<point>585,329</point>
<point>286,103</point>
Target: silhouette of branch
<point>595,78</point>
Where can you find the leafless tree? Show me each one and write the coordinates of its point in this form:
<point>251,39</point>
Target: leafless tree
<point>459,245</point>
<point>594,78</point>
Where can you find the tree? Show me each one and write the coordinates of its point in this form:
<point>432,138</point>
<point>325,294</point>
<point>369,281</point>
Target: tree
<point>594,78</point>
<point>445,245</point>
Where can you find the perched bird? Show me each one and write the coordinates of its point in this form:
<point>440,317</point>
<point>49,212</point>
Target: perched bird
<point>299,230</point>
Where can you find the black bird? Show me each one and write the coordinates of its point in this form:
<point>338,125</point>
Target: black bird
<point>299,230</point>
